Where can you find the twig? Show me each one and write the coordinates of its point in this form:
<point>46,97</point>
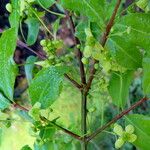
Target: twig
<point>79,53</point>
<point>58,126</point>
<point>103,42</point>
<point>76,84</point>
<point>125,112</point>
<point>83,81</point>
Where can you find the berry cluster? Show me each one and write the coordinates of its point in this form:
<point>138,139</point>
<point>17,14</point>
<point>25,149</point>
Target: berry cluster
<point>124,135</point>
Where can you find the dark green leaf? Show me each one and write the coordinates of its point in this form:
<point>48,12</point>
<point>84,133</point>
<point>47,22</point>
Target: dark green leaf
<point>92,9</point>
<point>146,77</point>
<point>26,147</point>
<point>46,3</point>
<point>15,15</point>
<point>4,103</point>
<point>119,87</point>
<point>29,68</point>
<point>142,130</point>
<point>33,30</point>
<point>8,67</point>
<point>46,86</point>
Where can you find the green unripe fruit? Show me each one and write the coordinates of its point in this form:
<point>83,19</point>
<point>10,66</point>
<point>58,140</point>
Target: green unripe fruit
<point>87,51</point>
<point>96,66</point>
<point>88,32</point>
<point>43,42</point>
<point>90,41</point>
<point>129,129</point>
<point>118,129</point>
<point>119,143</point>
<point>9,7</point>
<point>132,138</point>
<point>85,61</point>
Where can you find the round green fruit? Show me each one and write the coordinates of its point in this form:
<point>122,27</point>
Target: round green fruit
<point>9,7</point>
<point>85,61</point>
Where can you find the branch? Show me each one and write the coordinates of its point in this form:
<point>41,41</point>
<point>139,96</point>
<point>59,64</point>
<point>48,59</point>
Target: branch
<point>79,53</point>
<point>58,126</point>
<point>76,84</point>
<point>103,42</point>
<point>125,112</point>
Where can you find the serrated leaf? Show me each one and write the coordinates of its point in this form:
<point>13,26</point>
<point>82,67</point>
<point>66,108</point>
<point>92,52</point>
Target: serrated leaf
<point>4,102</point>
<point>126,54</point>
<point>146,76</point>
<point>129,37</point>
<point>119,87</point>
<point>92,9</point>
<point>15,15</point>
<point>8,67</point>
<point>46,3</point>
<point>33,30</point>
<point>29,68</point>
<point>142,130</point>
<point>46,86</point>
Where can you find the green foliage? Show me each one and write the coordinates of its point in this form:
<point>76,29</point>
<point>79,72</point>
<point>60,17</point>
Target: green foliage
<point>33,30</point>
<point>119,87</point>
<point>29,68</point>
<point>46,86</point>
<point>15,14</point>
<point>146,79</point>
<point>26,147</point>
<point>141,124</point>
<point>45,3</point>
<point>7,65</point>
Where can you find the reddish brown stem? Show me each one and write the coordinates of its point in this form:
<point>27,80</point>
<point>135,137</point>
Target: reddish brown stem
<point>125,112</point>
<point>103,42</point>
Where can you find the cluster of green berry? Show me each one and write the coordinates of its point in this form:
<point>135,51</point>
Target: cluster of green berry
<point>51,47</point>
<point>95,50</point>
<point>124,135</point>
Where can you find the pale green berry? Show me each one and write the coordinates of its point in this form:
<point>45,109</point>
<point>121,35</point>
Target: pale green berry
<point>96,66</point>
<point>106,66</point>
<point>118,129</point>
<point>43,42</point>
<point>92,109</point>
<point>9,7</point>
<point>132,138</point>
<point>87,51</point>
<point>119,143</point>
<point>128,30</point>
<point>129,129</point>
<point>85,61</point>
<point>88,32</point>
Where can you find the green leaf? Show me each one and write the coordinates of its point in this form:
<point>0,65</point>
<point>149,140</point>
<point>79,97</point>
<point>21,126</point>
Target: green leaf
<point>15,15</point>
<point>129,37</point>
<point>126,54</point>
<point>33,30</point>
<point>146,76</point>
<point>92,9</point>
<point>26,147</point>
<point>47,133</point>
<point>142,130</point>
<point>46,3</point>
<point>46,86</point>
<point>139,33</point>
<point>29,68</point>
<point>119,87</point>
<point>4,102</point>
<point>8,67</point>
